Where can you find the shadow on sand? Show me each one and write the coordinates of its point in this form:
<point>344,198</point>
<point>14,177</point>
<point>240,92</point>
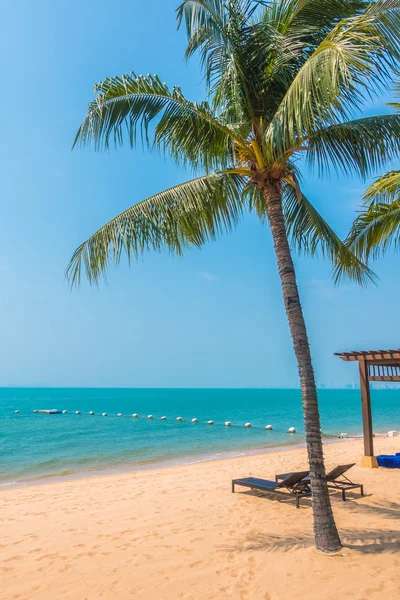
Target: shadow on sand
<point>354,502</point>
<point>367,541</point>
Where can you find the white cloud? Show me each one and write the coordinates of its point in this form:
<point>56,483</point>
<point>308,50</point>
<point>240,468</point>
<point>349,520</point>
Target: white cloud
<point>207,276</point>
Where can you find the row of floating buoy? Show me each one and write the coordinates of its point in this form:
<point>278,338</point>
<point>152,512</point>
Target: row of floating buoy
<point>178,419</point>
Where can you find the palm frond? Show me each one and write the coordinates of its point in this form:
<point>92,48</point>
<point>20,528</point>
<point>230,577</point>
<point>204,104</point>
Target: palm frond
<point>320,15</point>
<point>311,18</point>
<point>211,24</point>
<point>190,132</point>
<point>377,227</point>
<point>205,22</point>
<point>384,190</point>
<point>376,230</point>
<point>309,233</point>
<point>360,146</point>
<point>299,27</point>
<point>219,31</point>
<point>207,32</point>
<point>396,105</point>
<point>188,214</point>
<point>199,14</point>
<point>353,61</point>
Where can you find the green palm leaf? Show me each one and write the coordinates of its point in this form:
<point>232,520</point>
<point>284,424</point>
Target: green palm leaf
<point>190,132</point>
<point>361,146</point>
<point>227,45</point>
<point>352,62</point>
<point>189,214</point>
<point>385,189</point>
<point>309,233</point>
<point>396,105</point>
<point>377,228</point>
<point>312,19</point>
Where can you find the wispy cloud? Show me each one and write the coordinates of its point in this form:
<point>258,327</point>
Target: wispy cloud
<point>208,276</point>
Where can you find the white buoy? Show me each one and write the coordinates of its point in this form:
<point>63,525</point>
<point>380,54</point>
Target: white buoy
<point>210,422</point>
<point>268,427</point>
<point>179,419</point>
<point>16,411</point>
<point>91,413</point>
<point>119,415</point>
<point>77,412</point>
<point>228,424</point>
<point>64,412</point>
<point>150,417</point>
<point>135,415</point>
<point>195,420</point>
<point>291,430</point>
<point>248,425</point>
<point>104,415</point>
<point>163,418</point>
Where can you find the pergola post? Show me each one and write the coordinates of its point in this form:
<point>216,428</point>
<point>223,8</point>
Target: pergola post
<point>368,459</point>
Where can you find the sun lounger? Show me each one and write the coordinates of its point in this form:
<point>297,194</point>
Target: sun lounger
<point>343,484</point>
<point>336,479</point>
<point>294,485</point>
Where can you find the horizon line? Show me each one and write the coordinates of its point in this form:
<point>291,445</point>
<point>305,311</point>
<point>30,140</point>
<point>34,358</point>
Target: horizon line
<point>91,387</point>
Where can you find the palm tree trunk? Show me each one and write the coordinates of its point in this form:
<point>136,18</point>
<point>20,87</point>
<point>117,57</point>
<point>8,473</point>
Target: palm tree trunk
<point>325,533</point>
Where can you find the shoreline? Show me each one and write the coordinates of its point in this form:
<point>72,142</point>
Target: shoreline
<point>157,465</point>
<point>40,449</point>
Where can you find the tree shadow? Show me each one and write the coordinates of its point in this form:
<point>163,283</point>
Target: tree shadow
<point>354,502</point>
<point>281,497</point>
<point>383,508</point>
<point>366,541</point>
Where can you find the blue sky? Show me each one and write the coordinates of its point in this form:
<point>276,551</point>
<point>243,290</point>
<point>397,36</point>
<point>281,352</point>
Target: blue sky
<point>212,319</point>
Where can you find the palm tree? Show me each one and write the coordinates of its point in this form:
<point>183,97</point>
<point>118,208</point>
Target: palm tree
<point>284,78</point>
<point>377,228</point>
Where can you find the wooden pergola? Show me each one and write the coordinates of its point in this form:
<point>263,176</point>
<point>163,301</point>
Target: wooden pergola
<point>374,365</point>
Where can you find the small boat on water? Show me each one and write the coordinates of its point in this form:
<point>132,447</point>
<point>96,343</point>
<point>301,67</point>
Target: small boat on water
<point>49,411</point>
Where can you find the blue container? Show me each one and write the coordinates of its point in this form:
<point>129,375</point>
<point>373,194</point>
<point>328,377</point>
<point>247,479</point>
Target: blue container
<point>389,462</point>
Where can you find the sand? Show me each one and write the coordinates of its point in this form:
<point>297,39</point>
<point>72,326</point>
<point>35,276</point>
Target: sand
<point>179,533</point>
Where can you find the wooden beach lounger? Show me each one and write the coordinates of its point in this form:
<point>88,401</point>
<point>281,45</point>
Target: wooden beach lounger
<point>336,479</point>
<point>344,483</point>
<point>294,484</point>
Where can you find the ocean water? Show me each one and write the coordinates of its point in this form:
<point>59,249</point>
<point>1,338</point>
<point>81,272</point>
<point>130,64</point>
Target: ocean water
<point>37,446</point>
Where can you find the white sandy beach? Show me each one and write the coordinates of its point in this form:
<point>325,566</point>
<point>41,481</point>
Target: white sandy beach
<point>179,533</point>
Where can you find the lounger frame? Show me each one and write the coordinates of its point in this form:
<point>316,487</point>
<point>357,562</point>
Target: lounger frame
<point>299,489</point>
<point>345,483</point>
<point>333,481</point>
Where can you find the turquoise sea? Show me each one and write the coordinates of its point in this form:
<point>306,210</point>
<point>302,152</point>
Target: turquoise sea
<point>37,446</point>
